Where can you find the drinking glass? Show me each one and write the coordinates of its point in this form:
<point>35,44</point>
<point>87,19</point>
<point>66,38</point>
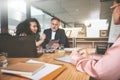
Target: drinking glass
<point>61,47</point>
<point>3,59</point>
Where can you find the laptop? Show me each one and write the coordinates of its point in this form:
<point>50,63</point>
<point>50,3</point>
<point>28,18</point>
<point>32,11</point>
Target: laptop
<point>19,46</point>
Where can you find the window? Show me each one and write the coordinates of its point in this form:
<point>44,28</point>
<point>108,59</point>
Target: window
<point>0,17</point>
<point>16,13</point>
<point>43,18</point>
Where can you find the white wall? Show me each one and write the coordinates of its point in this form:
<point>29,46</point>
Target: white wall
<point>96,26</point>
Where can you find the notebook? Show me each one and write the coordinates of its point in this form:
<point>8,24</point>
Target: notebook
<point>19,46</point>
<point>48,72</point>
<point>23,68</point>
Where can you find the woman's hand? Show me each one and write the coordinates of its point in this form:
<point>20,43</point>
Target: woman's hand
<point>77,55</point>
<point>81,52</point>
<point>85,52</point>
<point>38,48</point>
<point>38,43</point>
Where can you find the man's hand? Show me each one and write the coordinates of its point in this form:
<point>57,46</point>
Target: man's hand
<point>55,45</point>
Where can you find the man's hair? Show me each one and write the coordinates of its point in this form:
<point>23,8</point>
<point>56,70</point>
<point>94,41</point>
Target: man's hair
<point>54,18</point>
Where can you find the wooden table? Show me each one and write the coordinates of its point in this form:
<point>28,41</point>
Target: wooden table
<point>69,74</point>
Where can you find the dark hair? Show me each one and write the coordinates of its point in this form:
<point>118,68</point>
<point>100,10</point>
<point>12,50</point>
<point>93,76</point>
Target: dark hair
<point>20,28</point>
<point>118,1</point>
<point>54,18</point>
<point>24,27</point>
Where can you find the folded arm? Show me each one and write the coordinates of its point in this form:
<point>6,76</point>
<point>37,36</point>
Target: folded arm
<point>99,67</point>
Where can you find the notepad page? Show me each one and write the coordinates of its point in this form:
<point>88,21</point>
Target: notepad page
<point>64,59</point>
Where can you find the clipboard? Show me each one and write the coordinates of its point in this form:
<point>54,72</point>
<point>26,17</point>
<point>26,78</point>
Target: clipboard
<point>51,42</point>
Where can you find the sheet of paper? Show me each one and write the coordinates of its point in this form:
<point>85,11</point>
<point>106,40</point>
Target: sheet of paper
<point>71,49</point>
<point>43,72</point>
<point>64,59</point>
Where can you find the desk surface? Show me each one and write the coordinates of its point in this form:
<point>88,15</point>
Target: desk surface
<point>69,74</point>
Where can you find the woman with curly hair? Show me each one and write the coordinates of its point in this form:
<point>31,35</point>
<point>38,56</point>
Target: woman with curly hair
<point>30,27</point>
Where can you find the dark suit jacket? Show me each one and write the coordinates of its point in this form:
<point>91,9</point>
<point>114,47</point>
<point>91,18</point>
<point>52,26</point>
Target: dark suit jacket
<point>60,35</point>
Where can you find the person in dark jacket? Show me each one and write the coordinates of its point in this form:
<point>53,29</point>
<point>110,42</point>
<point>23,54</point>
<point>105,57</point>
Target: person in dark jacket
<point>55,33</point>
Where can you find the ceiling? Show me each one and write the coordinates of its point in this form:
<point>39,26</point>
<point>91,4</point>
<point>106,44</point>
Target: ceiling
<point>70,11</point>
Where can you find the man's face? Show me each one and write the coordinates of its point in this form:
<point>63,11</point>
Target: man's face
<point>55,25</point>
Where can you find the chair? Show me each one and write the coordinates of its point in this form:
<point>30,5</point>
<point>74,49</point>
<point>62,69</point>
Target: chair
<point>18,46</point>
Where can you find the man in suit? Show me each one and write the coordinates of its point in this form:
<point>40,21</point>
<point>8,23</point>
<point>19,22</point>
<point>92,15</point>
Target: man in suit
<point>55,33</point>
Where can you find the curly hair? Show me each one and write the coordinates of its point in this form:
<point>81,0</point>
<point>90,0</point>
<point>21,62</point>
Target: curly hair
<point>24,27</point>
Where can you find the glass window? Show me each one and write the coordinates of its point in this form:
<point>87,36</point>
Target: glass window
<point>16,13</point>
<point>43,18</point>
<point>0,21</point>
<point>0,16</point>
